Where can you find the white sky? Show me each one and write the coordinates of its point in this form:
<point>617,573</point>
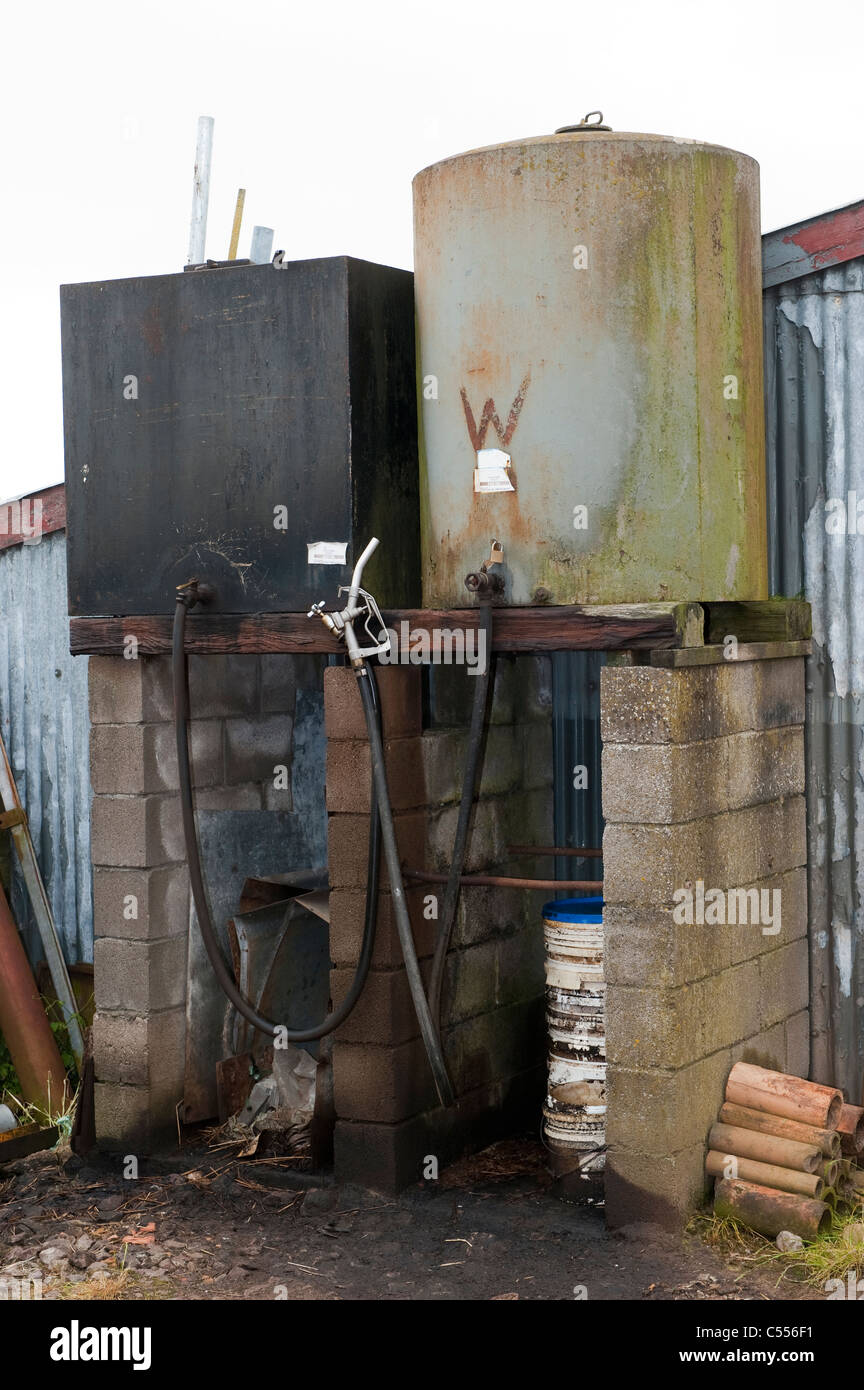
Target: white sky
<point>325,111</point>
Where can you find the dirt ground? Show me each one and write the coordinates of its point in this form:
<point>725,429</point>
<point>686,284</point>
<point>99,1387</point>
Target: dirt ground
<point>197,1226</point>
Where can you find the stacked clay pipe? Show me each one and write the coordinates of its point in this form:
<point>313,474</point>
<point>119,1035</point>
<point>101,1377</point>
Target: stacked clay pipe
<point>784,1153</point>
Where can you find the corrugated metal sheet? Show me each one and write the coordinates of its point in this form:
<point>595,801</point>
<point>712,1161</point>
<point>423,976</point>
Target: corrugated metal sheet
<point>45,723</point>
<point>814,384</point>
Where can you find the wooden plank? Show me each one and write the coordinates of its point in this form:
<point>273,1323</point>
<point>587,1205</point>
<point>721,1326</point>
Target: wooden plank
<point>644,627</point>
<point>26,1139</point>
<point>717,655</point>
<point>805,247</point>
<point>770,620</point>
<point>38,513</point>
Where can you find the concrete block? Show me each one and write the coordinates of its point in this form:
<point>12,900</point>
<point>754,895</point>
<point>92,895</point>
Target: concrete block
<point>669,783</point>
<point>136,1050</point>
<point>649,863</point>
<point>224,685</point>
<point>643,943</point>
<point>501,1043</point>
<point>470,982</point>
<point>160,755</point>
<point>381,1084</point>
<point>141,904</point>
<point>647,1028</point>
<point>283,674</point>
<point>537,755</point>
<point>644,704</point>
<point>766,1048</point>
<point>135,831</point>
<point>383,1015</point>
<point>115,686</point>
<point>254,748</point>
<point>347,838</point>
<point>349,774</point>
<point>658,1112</point>
<point>399,688</point>
<point>665,1190</point>
<point>124,1118</point>
<point>139,976</point>
<point>784,982</point>
<point>347,913</point>
<point>798,1044</point>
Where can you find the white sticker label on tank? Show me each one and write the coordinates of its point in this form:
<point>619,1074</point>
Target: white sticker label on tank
<point>492,473</point>
<point>327,552</point>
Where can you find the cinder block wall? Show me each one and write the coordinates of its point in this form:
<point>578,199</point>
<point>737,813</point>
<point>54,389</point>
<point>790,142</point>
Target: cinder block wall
<point>703,778</point>
<point>242,727</point>
<point>388,1119</point>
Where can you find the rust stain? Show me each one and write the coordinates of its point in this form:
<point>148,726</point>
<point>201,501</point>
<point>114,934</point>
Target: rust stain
<point>477,433</point>
<point>152,331</point>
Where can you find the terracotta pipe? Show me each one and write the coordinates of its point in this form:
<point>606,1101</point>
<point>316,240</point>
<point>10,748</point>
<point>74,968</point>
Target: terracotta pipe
<point>765,1148</point>
<point>24,1025</point>
<point>829,1169</point>
<point>828,1140</point>
<point>768,1212</point>
<point>850,1127</point>
<point>856,1177</point>
<point>779,1094</point>
<point>717,1165</point>
<point>496,881</point>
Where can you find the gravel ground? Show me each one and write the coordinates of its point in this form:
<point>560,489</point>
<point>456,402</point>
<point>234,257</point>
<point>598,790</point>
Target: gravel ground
<point>196,1226</point>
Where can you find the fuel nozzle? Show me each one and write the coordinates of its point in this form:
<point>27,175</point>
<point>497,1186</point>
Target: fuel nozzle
<point>485,582</point>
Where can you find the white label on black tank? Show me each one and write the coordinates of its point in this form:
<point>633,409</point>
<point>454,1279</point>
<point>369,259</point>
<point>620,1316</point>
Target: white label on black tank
<point>327,552</point>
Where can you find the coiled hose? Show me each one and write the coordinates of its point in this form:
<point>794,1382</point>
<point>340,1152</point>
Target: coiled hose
<point>221,969</point>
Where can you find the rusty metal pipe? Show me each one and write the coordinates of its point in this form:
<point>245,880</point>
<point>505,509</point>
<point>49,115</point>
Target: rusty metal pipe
<point>828,1140</point>
<point>498,881</point>
<point>768,1174</point>
<point>768,1212</point>
<point>780,1094</point>
<point>850,1127</point>
<point>765,1148</point>
<point>24,1025</point>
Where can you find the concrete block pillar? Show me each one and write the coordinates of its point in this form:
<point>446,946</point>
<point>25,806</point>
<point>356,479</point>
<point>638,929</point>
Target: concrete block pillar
<point>388,1118</point>
<point>140,891</point>
<point>703,795</point>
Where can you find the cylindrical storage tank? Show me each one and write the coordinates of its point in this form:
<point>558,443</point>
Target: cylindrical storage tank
<point>590,370</point>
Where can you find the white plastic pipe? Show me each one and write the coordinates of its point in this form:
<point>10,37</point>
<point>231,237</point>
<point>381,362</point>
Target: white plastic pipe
<point>200,191</point>
<point>262,245</point>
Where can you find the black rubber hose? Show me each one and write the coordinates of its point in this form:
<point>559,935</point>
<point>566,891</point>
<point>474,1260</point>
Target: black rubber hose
<point>215,955</point>
<point>470,785</point>
<point>428,1029</point>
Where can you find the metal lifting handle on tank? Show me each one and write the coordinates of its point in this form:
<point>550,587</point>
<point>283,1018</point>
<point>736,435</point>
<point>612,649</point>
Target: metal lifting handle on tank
<point>342,626</point>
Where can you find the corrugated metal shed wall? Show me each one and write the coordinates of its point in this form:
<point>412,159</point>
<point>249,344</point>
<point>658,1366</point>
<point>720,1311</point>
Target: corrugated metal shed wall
<point>814,384</point>
<point>46,727</point>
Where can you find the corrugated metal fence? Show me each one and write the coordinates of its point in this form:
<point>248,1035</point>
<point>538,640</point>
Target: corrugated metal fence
<point>814,382</point>
<point>45,723</point>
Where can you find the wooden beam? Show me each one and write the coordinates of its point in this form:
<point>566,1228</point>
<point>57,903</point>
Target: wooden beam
<point>770,620</point>
<point>718,655</point>
<point>641,627</point>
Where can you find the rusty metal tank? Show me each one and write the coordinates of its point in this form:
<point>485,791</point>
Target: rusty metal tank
<point>590,369</point>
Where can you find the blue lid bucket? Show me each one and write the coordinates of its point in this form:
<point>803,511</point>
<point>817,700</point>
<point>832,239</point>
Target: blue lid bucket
<point>574,910</point>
